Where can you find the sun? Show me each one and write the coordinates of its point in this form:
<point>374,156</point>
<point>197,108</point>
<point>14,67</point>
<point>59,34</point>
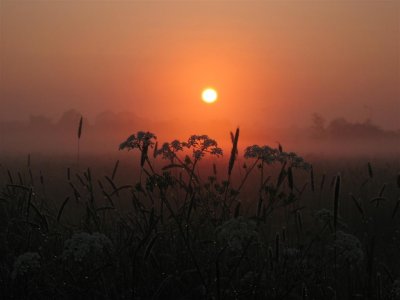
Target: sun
<point>209,95</point>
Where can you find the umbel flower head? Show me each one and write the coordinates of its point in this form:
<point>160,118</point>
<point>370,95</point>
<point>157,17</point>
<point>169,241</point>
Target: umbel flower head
<point>26,264</point>
<point>202,144</point>
<point>84,246</point>
<point>270,155</point>
<point>237,232</point>
<point>169,150</point>
<point>325,216</point>
<point>348,249</point>
<point>395,291</point>
<point>142,140</point>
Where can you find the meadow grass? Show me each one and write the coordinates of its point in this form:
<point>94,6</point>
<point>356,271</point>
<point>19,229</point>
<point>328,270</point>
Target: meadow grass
<point>179,221</point>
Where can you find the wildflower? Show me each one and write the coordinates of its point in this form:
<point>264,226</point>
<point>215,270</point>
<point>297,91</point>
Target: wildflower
<point>325,216</point>
<point>237,232</point>
<point>265,153</point>
<point>168,150</point>
<point>176,145</point>
<point>297,161</point>
<point>142,140</point>
<point>82,246</point>
<point>26,264</point>
<point>395,292</point>
<point>271,155</point>
<point>162,182</point>
<point>202,144</point>
<point>348,248</point>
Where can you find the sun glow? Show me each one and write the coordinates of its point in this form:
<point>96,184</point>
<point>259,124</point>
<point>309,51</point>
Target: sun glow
<point>209,95</point>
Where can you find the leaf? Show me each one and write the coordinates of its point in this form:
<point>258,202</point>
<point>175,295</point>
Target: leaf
<point>150,246</point>
<point>170,166</point>
<point>62,208</point>
<point>115,169</point>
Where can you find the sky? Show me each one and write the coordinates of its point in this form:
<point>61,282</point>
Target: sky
<point>273,63</point>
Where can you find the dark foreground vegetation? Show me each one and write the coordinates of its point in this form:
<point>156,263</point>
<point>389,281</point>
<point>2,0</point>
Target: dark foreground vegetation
<point>264,225</point>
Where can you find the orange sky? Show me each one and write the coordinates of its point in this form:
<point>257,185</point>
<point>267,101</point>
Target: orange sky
<point>274,63</point>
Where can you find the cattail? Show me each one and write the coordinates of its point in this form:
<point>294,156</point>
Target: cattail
<point>321,186</point>
<point>312,178</point>
<point>370,173</point>
<point>336,201</point>
<point>234,152</point>
<point>80,127</point>
<point>79,139</point>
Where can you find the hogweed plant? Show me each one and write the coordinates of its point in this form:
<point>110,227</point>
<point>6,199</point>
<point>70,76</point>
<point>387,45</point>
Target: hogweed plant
<point>177,232</point>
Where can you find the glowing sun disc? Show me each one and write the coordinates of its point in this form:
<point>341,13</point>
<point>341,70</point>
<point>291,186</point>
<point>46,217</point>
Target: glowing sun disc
<point>209,95</point>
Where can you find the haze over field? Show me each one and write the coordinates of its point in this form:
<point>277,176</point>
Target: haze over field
<point>273,63</point>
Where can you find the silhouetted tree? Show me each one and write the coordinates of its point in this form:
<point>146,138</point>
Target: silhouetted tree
<point>318,125</point>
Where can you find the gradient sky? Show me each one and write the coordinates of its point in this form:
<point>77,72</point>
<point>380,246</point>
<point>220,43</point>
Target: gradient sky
<point>274,63</point>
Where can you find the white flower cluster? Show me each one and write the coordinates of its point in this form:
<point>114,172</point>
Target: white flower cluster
<point>237,232</point>
<point>25,264</point>
<point>271,155</point>
<point>168,150</point>
<point>141,140</point>
<point>201,145</point>
<point>265,153</point>
<point>325,216</point>
<point>294,160</point>
<point>82,246</point>
<point>395,291</point>
<point>348,248</point>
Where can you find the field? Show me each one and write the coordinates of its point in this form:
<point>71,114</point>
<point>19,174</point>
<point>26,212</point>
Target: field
<point>183,221</point>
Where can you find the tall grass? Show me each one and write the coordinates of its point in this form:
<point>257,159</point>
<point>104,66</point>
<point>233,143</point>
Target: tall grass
<point>177,232</point>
